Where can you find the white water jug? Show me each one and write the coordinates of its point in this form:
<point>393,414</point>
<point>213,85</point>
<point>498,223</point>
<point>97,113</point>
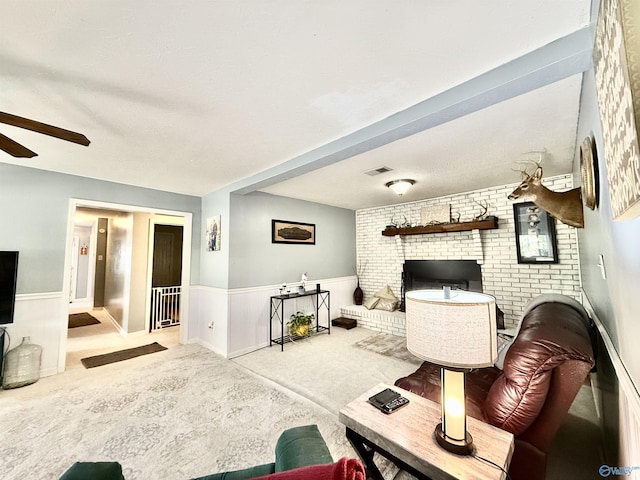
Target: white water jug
<point>22,365</point>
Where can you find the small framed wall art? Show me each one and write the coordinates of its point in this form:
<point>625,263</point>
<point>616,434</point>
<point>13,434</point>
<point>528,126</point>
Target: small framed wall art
<point>535,234</point>
<point>283,231</point>
<point>213,233</point>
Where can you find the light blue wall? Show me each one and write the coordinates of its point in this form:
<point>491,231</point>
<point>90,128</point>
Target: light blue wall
<point>214,271</point>
<point>34,207</point>
<point>616,299</point>
<point>255,261</point>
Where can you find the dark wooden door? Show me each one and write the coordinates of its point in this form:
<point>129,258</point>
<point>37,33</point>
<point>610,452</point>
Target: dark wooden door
<point>167,256</point>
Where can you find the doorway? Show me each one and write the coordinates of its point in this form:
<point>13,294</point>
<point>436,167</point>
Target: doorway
<point>166,273</point>
<point>126,323</point>
<point>82,264</point>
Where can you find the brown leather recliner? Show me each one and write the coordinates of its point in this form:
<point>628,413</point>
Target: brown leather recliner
<point>543,371</point>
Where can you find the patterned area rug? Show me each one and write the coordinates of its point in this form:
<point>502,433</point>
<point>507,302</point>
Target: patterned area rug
<point>178,414</point>
<point>82,320</point>
<point>389,346</point>
<point>187,412</point>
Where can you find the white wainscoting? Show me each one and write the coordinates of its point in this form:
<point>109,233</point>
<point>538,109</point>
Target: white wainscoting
<point>248,312</point>
<point>208,313</point>
<point>629,401</point>
<point>43,318</point>
<point>228,322</point>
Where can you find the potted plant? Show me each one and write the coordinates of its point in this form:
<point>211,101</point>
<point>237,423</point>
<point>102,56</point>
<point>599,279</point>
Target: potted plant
<point>299,324</point>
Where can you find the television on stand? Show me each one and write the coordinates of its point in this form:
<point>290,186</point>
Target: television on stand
<point>8,277</point>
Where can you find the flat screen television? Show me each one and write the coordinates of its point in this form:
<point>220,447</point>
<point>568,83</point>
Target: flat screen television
<point>8,277</point>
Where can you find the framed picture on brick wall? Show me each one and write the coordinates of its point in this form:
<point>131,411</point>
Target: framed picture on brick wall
<point>535,234</point>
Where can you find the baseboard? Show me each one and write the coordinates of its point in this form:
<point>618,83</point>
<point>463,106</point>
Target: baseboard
<point>208,346</point>
<point>47,372</point>
<point>115,323</point>
<point>239,353</point>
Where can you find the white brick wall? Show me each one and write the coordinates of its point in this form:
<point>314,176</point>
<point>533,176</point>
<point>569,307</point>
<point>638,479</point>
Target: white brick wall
<point>511,283</point>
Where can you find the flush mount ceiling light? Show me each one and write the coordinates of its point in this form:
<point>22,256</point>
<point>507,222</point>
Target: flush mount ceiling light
<point>400,186</point>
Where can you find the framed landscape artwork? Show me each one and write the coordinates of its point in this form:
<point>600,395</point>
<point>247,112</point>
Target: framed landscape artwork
<point>283,231</point>
<point>535,234</point>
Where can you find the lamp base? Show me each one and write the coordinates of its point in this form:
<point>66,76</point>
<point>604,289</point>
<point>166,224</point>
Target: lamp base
<point>459,447</point>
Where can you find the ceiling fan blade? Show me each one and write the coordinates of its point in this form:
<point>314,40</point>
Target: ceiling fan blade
<point>40,127</point>
<point>14,148</point>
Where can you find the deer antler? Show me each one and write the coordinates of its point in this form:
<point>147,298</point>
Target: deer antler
<point>542,154</point>
<point>523,173</point>
<point>485,207</point>
<point>537,164</point>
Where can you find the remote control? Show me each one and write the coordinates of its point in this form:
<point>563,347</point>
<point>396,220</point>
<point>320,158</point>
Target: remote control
<point>395,404</point>
<point>388,400</point>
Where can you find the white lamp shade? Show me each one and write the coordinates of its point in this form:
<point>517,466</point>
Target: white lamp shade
<point>459,332</point>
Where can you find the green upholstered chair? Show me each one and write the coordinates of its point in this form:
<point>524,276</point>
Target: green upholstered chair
<point>297,447</point>
<point>94,471</point>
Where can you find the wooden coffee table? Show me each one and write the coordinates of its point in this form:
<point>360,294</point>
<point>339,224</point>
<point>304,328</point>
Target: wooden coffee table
<point>406,438</point>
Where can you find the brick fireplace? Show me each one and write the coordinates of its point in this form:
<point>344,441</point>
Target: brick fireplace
<point>382,259</point>
<point>462,274</point>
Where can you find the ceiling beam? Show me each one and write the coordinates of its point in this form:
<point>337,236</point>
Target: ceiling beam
<point>567,56</point>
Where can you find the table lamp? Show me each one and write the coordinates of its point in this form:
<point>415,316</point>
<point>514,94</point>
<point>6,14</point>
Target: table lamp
<point>456,330</point>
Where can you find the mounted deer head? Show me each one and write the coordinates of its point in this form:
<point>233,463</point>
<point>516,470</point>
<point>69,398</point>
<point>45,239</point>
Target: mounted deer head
<point>565,206</point>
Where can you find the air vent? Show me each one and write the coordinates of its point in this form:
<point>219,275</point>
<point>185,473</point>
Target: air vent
<point>378,171</point>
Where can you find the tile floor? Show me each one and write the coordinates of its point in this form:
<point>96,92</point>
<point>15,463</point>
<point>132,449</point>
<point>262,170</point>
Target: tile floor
<point>104,338</point>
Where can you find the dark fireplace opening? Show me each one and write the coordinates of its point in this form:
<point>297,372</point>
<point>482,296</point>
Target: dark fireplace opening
<point>457,274</point>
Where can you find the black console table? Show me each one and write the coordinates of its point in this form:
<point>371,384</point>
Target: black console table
<point>320,298</point>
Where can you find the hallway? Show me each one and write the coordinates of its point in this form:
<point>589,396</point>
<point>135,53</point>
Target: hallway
<point>92,340</point>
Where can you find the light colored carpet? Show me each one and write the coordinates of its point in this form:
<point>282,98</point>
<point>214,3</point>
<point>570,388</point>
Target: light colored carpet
<point>187,412</point>
<point>330,369</point>
<point>340,366</point>
<point>177,414</point>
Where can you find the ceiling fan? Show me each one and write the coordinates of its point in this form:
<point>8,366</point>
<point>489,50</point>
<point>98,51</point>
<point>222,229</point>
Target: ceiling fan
<point>15,149</point>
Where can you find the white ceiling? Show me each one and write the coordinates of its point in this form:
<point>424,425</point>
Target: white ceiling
<point>195,96</point>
